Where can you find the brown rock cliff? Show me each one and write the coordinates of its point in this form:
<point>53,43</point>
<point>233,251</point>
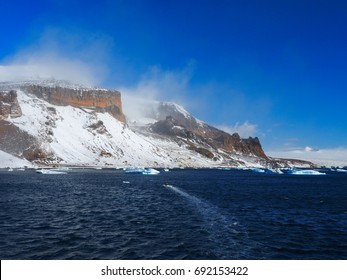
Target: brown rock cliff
<point>97,99</point>
<point>214,137</point>
<point>209,135</point>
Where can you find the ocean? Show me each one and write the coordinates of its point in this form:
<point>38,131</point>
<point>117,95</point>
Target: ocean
<point>181,214</point>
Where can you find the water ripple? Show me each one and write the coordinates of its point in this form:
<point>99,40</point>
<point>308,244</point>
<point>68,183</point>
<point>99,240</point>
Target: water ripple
<point>206,214</point>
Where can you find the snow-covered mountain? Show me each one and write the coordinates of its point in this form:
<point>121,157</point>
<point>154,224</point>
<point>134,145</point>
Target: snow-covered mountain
<point>59,123</point>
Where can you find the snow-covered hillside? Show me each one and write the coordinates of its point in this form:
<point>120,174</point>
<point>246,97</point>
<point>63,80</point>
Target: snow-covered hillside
<point>83,137</point>
<point>81,133</point>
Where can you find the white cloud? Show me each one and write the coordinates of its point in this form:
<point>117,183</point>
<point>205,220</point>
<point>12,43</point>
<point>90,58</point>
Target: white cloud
<point>52,66</point>
<point>328,157</point>
<point>244,130</point>
<point>310,149</point>
<point>156,85</point>
<point>161,85</point>
<point>59,55</point>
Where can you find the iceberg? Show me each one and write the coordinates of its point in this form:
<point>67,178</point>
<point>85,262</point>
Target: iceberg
<point>49,171</point>
<point>258,170</point>
<point>306,172</point>
<point>267,170</point>
<point>341,170</point>
<point>150,171</point>
<point>62,169</point>
<point>134,170</point>
<point>141,170</point>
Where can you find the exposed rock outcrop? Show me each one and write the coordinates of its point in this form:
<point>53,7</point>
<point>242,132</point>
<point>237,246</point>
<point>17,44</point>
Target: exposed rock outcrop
<point>9,105</point>
<point>171,127</point>
<point>209,136</point>
<point>174,120</point>
<point>100,100</point>
<point>177,113</point>
<point>18,142</point>
<point>234,143</point>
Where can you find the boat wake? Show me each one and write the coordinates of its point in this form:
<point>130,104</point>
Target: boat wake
<point>229,237</point>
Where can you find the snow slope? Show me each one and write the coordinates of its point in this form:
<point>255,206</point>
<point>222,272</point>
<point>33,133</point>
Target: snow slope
<point>80,136</point>
<point>7,160</point>
<point>83,137</point>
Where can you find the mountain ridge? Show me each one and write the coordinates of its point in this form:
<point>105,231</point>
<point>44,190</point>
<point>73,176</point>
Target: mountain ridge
<point>58,124</point>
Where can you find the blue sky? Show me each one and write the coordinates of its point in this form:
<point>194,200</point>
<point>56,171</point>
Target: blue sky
<point>272,69</point>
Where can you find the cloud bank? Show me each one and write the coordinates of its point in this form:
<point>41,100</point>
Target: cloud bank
<point>46,67</point>
<point>161,85</point>
<point>58,55</point>
<point>327,157</point>
<point>154,86</point>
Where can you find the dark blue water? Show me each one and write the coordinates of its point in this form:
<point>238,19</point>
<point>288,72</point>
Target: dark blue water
<point>206,214</point>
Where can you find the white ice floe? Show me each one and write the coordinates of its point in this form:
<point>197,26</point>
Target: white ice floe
<point>306,172</point>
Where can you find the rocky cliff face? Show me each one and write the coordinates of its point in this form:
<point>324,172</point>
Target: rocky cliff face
<point>175,121</point>
<point>20,143</point>
<point>97,99</point>
<point>9,105</point>
<point>234,143</point>
<point>206,139</point>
